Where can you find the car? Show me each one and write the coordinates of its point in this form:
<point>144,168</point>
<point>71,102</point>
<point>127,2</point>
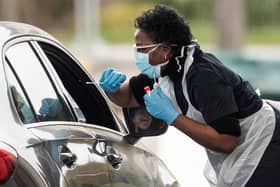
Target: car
<point>262,73</point>
<point>59,129</point>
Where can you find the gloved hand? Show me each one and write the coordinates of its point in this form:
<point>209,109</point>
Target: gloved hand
<point>160,106</point>
<point>111,80</point>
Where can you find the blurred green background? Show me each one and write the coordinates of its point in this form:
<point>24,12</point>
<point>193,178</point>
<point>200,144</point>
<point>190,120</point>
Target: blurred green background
<point>117,16</point>
<point>262,19</point>
<point>242,33</point>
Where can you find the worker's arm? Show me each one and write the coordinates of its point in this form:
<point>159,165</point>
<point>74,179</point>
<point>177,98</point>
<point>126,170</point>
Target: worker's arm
<point>123,96</point>
<point>201,133</point>
<point>205,135</point>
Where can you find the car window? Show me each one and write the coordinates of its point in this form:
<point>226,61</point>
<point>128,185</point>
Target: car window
<point>33,83</point>
<point>88,100</point>
<point>22,105</point>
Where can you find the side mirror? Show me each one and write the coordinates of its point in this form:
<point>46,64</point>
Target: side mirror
<point>140,124</point>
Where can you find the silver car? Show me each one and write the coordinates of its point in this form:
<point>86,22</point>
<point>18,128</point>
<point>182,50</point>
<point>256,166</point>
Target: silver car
<point>57,126</point>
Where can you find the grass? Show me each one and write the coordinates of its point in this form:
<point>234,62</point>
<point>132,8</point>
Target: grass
<point>263,34</point>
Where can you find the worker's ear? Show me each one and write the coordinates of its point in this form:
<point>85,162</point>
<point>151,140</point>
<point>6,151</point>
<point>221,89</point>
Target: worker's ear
<point>167,51</point>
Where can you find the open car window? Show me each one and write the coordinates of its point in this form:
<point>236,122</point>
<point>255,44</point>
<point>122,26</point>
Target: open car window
<point>33,93</point>
<point>89,103</point>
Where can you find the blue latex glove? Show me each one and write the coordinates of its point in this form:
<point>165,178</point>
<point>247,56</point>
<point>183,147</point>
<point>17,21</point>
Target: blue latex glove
<point>160,106</point>
<point>111,80</point>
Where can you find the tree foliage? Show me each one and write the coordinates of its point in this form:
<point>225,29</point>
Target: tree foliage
<point>259,13</point>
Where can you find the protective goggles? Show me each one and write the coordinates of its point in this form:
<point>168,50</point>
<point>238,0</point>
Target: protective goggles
<point>143,48</point>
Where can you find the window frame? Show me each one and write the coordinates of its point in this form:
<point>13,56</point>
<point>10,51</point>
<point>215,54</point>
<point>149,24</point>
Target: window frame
<point>11,69</point>
<point>33,39</point>
<point>85,75</point>
<point>8,64</point>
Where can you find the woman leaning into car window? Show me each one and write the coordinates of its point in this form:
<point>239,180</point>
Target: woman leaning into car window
<point>194,92</point>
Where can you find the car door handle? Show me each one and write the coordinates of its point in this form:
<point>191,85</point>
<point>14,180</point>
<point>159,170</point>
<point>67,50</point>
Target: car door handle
<point>68,159</point>
<point>115,160</point>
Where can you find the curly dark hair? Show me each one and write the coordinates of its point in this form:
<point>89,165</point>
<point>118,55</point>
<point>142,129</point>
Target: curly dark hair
<point>164,24</point>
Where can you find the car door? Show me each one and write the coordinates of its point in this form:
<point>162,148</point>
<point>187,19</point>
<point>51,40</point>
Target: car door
<point>44,110</point>
<point>127,164</point>
<point>77,154</point>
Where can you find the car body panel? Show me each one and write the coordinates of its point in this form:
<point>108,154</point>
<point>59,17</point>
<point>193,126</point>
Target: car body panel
<point>83,143</point>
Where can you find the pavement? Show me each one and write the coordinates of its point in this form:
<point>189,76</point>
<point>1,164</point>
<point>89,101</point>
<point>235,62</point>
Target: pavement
<point>182,155</point>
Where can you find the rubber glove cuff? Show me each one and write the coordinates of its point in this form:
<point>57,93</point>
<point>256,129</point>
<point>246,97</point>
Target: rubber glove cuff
<point>171,116</point>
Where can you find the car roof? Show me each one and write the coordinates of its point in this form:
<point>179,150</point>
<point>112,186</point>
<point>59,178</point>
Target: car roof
<point>10,30</point>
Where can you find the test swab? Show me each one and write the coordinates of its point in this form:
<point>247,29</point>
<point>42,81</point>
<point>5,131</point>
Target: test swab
<point>147,89</point>
<point>91,82</point>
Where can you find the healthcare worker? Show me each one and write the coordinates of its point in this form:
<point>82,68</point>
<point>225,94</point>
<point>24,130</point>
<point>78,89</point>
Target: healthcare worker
<point>197,94</point>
